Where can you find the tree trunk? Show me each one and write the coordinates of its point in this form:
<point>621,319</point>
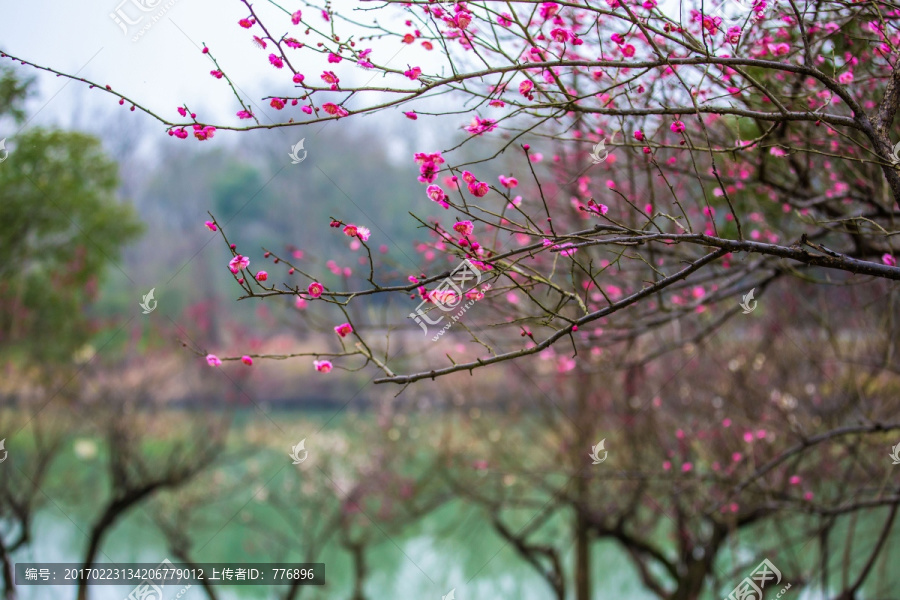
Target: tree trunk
<point>110,516</point>
<point>9,585</point>
<point>582,557</point>
<point>359,571</point>
<point>582,531</point>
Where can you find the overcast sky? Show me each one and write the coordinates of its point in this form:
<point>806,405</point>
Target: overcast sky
<point>164,68</point>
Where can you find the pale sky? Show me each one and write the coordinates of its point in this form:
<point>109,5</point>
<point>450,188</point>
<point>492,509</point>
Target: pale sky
<point>165,68</point>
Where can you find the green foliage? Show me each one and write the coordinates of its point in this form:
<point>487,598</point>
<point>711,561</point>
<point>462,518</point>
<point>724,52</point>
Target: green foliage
<point>237,190</point>
<point>13,92</point>
<point>60,226</point>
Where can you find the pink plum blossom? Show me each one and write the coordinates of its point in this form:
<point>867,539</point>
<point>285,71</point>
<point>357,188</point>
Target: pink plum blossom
<point>479,126</point>
<point>238,262</point>
<point>315,289</point>
<point>464,227</point>
<point>437,195</point>
<point>508,182</point>
<point>479,189</point>
<point>204,133</point>
<point>428,166</point>
<point>330,78</point>
<point>549,10</point>
<point>333,109</point>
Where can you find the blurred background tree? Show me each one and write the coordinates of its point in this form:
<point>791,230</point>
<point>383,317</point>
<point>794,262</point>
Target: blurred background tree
<point>61,227</point>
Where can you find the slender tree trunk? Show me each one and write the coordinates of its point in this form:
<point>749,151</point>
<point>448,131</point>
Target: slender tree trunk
<point>110,516</point>
<point>582,558</point>
<point>9,585</point>
<point>582,530</point>
<point>690,586</point>
<point>358,553</point>
<point>98,531</point>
